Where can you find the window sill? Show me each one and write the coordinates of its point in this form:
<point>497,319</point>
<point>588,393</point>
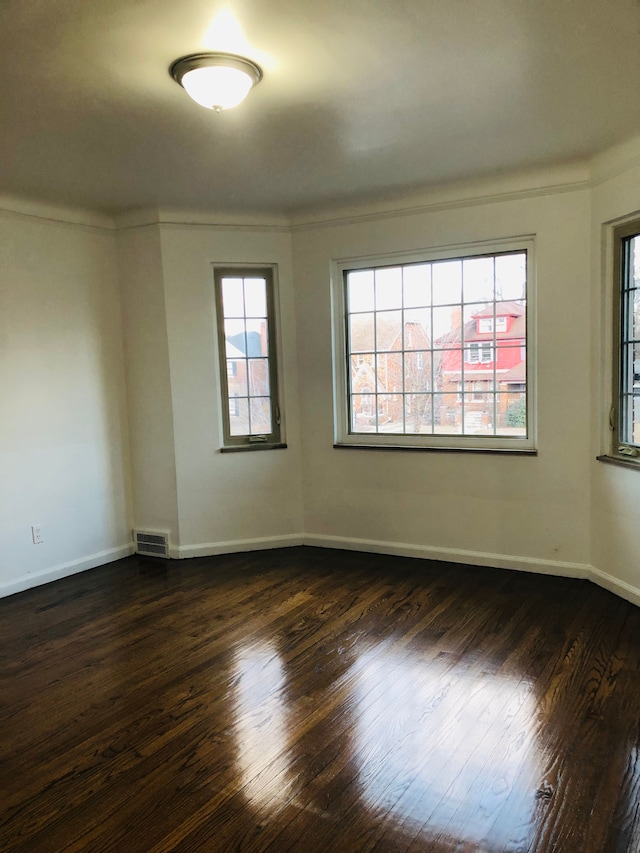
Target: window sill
<point>493,450</point>
<point>632,462</point>
<point>241,448</point>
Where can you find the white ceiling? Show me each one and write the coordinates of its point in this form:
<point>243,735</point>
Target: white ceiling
<point>360,99</point>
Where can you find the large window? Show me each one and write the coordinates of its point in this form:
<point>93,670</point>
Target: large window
<point>434,351</point>
<point>626,391</point>
<point>245,304</point>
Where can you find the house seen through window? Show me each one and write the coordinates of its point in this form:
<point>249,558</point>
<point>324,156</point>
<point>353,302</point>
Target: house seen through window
<point>436,352</point>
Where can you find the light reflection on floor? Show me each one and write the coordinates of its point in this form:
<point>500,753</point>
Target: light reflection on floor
<point>455,741</point>
<point>438,748</point>
<point>261,718</point>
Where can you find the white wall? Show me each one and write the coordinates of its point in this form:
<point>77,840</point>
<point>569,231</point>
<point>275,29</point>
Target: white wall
<point>63,427</point>
<point>232,500</point>
<point>155,502</point>
<point>615,531</point>
<point>64,453</point>
<point>515,511</point>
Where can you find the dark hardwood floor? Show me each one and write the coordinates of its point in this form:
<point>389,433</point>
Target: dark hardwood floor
<point>309,700</point>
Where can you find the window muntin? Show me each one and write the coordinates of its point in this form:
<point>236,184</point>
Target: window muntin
<point>469,388</point>
<point>245,303</point>
<point>626,435</point>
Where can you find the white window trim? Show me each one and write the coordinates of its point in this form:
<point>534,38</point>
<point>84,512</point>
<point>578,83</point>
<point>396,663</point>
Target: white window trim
<point>612,232</point>
<point>221,362</point>
<point>342,435</point>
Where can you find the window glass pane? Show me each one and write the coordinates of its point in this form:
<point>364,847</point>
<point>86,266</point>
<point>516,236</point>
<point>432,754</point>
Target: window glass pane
<point>477,278</point>
<point>417,324</point>
<point>417,371</point>
<point>362,333</point>
<point>255,297</point>
<point>360,291</point>
<point>388,330</point>
<point>634,310</point>
<point>478,321</point>
<point>473,423</point>
<point>232,297</point>
<point>446,369</point>
<point>447,282</point>
<point>418,413</point>
<point>389,413</point>
<point>257,342</point>
<point>511,414</point>
<point>362,371</point>
<point>235,339</point>
<point>388,288</point>
<point>626,367</point>
<point>238,415</point>
<point>511,276</point>
<point>417,285</point>
<point>260,408</point>
<point>635,431</point>
<point>389,372</point>
<point>447,414</point>
<point>258,377</point>
<point>237,379</point>
<point>633,277</point>
<point>447,327</point>
<point>515,313</point>
<point>510,366</point>
<point>363,412</point>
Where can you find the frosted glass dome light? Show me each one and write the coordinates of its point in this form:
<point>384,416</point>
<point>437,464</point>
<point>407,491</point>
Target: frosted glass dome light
<point>217,81</point>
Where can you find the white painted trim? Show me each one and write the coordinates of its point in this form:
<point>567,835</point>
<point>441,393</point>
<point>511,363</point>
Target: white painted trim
<point>556,568</point>
<point>208,549</point>
<point>620,588</point>
<point>514,187</point>
<point>211,220</point>
<point>53,214</point>
<point>452,555</point>
<point>63,570</point>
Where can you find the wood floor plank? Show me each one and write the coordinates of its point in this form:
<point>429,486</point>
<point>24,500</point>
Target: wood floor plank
<point>305,699</point>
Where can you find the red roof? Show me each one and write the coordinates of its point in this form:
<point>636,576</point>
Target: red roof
<point>503,309</point>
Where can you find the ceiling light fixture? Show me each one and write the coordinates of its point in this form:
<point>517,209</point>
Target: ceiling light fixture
<point>217,81</point>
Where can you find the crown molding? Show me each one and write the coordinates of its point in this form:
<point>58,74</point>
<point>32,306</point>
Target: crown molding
<point>211,220</point>
<point>492,190</point>
<point>615,161</point>
<point>513,187</point>
<point>53,214</point>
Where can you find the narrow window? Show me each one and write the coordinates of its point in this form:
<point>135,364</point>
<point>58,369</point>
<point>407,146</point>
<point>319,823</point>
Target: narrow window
<point>245,303</point>
<point>626,391</point>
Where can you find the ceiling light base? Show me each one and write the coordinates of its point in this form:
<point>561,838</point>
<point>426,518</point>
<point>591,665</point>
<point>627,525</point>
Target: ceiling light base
<point>217,81</point>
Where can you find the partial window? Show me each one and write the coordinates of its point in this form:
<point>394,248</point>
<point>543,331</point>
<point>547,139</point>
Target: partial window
<point>626,390</point>
<point>245,305</point>
<point>434,351</point>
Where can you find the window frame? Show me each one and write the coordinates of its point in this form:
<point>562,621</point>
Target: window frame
<point>261,441</point>
<point>627,453</point>
<point>345,438</point>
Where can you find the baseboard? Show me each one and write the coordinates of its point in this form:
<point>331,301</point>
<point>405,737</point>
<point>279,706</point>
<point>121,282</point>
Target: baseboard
<point>481,558</point>
<point>233,546</point>
<point>452,555</point>
<point>63,570</point>
<point>620,588</point>
<point>401,549</point>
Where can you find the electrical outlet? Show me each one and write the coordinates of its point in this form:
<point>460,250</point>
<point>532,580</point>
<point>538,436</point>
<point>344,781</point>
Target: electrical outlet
<point>36,534</point>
